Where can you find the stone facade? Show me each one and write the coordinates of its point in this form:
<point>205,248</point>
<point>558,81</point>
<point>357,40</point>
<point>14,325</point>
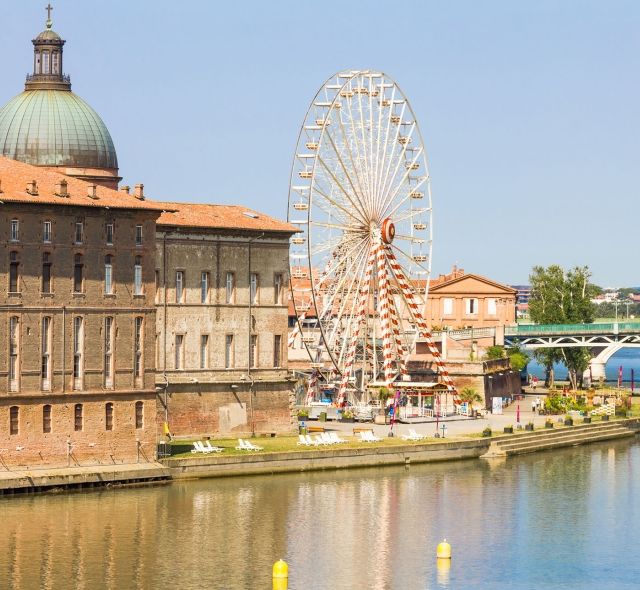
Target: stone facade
<point>205,320</point>
<point>59,403</point>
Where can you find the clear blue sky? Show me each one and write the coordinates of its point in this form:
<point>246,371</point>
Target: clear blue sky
<point>530,110</point>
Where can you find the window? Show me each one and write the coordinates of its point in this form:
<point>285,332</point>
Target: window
<point>253,351</point>
<point>204,351</point>
<point>138,235</point>
<point>108,275</point>
<point>471,306</point>
<point>277,288</point>
<point>14,420</point>
<point>15,231</point>
<point>79,235</point>
<point>254,288</point>
<point>78,346</point>
<point>78,269</point>
<point>45,62</point>
<point>46,232</point>
<point>447,306</point>
<point>46,419</point>
<point>179,286</point>
<point>137,350</point>
<point>491,307</point>
<point>139,414</point>
<point>157,286</point>
<point>204,287</point>
<point>231,287</point>
<point>277,350</point>
<point>55,62</point>
<point>108,352</point>
<point>14,350</point>
<point>179,357</point>
<point>77,417</point>
<point>109,232</point>
<point>228,351</point>
<point>137,276</point>
<point>46,272</point>
<point>45,364</point>
<point>38,66</point>
<point>108,416</point>
<point>14,263</point>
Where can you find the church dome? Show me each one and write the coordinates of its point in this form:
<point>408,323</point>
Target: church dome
<point>55,128</point>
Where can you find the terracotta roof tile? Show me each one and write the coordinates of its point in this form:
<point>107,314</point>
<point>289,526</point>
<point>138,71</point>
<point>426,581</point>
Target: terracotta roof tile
<point>221,217</point>
<point>15,175</point>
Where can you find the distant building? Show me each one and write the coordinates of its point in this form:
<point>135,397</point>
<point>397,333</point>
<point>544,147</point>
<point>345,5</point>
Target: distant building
<point>522,299</point>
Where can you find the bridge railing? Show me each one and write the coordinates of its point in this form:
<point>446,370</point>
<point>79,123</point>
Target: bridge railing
<point>608,328</point>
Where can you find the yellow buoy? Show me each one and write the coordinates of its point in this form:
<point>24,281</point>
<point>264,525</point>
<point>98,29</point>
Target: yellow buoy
<point>280,575</point>
<point>444,550</point>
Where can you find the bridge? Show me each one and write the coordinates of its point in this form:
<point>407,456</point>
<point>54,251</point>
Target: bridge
<point>604,340</point>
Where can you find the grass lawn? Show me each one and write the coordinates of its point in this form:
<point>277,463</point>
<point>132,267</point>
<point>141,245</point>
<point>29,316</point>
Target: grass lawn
<point>286,444</point>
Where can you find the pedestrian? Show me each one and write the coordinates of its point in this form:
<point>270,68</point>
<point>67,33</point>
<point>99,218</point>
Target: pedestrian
<point>534,382</point>
<point>538,404</point>
<point>533,406</point>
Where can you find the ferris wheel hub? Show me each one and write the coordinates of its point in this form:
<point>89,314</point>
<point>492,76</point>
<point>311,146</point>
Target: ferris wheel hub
<point>388,231</point>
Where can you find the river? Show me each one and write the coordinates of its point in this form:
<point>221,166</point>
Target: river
<point>563,519</point>
<point>627,358</point>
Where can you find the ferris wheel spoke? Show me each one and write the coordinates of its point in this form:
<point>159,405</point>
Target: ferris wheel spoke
<point>361,216</point>
<point>359,156</point>
<point>356,194</point>
<point>391,189</point>
<point>381,147</point>
<point>336,204</point>
<point>356,168</point>
<point>411,261</point>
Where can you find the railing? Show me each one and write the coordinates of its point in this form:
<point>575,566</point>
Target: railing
<point>466,334</point>
<point>610,328</point>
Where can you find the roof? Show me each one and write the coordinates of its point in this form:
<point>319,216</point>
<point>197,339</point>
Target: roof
<point>55,128</point>
<point>233,217</point>
<point>465,277</point>
<point>15,175</point>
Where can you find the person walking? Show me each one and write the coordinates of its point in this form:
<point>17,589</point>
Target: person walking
<point>533,406</point>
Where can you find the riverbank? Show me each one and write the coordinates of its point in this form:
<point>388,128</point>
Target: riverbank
<point>387,452</point>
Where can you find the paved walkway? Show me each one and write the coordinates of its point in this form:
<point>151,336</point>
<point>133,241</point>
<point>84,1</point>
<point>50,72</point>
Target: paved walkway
<point>459,427</point>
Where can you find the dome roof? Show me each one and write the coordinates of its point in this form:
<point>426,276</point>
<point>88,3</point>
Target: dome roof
<point>55,128</point>
<point>48,35</point>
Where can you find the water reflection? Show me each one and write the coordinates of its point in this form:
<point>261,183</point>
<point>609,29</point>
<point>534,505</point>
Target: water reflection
<point>527,522</point>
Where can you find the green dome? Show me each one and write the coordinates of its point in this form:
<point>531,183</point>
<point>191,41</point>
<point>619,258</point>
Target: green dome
<point>55,128</point>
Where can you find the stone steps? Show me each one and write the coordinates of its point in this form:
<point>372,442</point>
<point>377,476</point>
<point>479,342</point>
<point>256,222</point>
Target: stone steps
<point>552,439</point>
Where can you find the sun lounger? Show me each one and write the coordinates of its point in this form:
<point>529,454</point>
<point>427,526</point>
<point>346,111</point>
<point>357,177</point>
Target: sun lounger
<point>413,435</point>
<point>368,436</point>
<point>302,441</point>
<point>211,449</point>
<point>335,438</point>
<point>326,438</point>
<point>245,445</point>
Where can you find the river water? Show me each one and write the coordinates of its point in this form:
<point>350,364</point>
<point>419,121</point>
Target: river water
<point>563,519</point>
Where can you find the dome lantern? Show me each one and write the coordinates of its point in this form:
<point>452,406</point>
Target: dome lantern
<point>47,60</point>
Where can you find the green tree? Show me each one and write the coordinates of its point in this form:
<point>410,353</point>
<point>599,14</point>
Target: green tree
<point>517,358</point>
<point>562,297</point>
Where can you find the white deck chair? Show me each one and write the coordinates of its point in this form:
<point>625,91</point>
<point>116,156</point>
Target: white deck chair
<point>326,438</point>
<point>209,448</point>
<point>319,440</point>
<point>249,446</point>
<point>335,438</point>
<point>241,446</point>
<point>302,441</point>
<point>197,448</point>
<point>370,437</point>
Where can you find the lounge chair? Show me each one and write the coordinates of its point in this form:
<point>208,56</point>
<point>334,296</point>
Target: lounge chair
<point>326,438</point>
<point>368,436</point>
<point>245,445</point>
<point>198,448</point>
<point>211,449</point>
<point>413,435</point>
<point>302,441</point>
<point>320,441</point>
<point>335,438</point>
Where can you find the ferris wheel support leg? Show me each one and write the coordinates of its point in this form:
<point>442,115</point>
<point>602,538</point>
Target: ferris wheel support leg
<point>363,303</point>
<point>385,313</point>
<point>423,329</point>
<point>311,388</point>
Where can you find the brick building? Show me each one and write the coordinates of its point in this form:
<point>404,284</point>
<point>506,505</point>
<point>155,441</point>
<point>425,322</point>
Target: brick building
<point>77,320</point>
<point>83,270</point>
<point>222,276</point>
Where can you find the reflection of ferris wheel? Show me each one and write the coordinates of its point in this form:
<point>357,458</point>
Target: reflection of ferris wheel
<point>360,196</point>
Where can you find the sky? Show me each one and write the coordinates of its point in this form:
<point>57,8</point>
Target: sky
<point>529,110</point>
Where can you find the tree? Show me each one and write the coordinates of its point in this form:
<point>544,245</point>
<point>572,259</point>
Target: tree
<point>517,358</point>
<point>562,297</point>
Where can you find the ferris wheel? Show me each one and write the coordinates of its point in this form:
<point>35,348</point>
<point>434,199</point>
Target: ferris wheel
<point>360,263</point>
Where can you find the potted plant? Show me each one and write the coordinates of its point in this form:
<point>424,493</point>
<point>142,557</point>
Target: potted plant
<point>508,429</point>
<point>529,426</point>
<point>587,419</point>
<point>303,414</point>
<point>548,424</point>
<point>486,432</point>
<point>568,421</point>
<point>347,416</point>
<point>605,417</point>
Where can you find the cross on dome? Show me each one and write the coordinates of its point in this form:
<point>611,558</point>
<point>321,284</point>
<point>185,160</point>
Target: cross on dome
<point>49,8</point>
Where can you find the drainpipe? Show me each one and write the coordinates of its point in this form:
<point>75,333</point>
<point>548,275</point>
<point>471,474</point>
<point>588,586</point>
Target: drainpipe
<point>64,348</point>
<point>251,379</point>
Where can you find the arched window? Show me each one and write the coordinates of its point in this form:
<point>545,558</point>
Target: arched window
<point>46,418</point>
<point>77,417</point>
<point>139,414</point>
<point>137,276</point>
<point>78,268</point>
<point>108,416</point>
<point>14,264</point>
<point>108,274</point>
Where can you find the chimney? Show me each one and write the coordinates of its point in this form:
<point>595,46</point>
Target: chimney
<point>91,191</point>
<point>125,188</point>
<point>62,188</point>
<point>138,192</point>
<point>32,187</point>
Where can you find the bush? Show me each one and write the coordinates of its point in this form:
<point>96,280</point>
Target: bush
<point>303,413</point>
<point>486,432</point>
<point>347,414</point>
